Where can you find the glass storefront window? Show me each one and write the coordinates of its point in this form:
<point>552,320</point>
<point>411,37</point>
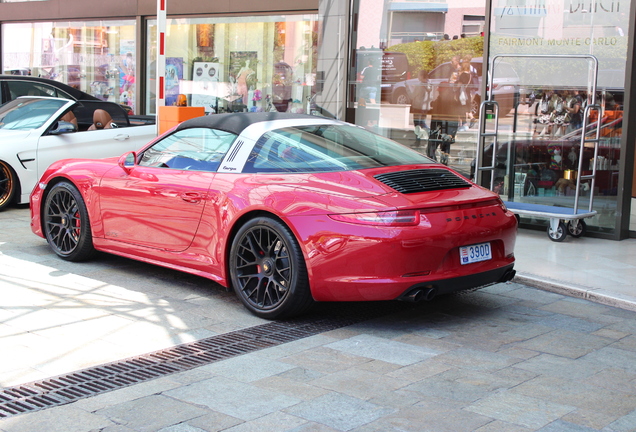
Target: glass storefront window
<point>416,73</point>
<point>95,57</point>
<point>554,48</point>
<point>265,63</point>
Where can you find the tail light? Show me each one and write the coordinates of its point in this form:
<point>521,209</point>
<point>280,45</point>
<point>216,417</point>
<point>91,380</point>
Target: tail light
<point>394,218</point>
<point>502,205</point>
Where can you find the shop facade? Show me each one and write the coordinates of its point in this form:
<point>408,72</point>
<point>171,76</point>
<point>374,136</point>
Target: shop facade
<point>415,71</point>
<point>548,61</point>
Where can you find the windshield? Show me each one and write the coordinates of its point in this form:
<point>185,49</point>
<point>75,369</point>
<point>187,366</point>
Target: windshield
<point>27,114</point>
<point>324,148</point>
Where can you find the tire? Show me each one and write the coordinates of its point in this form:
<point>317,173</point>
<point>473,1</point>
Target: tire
<point>559,234</point>
<point>8,185</point>
<point>66,224</point>
<point>577,228</point>
<point>400,97</point>
<point>268,271</point>
<point>474,106</point>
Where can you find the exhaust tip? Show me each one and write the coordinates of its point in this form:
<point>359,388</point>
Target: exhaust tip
<point>419,294</point>
<point>430,294</point>
<point>413,296</point>
<point>508,275</point>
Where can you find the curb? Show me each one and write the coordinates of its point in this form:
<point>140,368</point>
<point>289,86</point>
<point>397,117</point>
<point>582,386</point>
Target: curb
<point>577,292</point>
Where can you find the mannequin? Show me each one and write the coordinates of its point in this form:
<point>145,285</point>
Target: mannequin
<point>241,82</point>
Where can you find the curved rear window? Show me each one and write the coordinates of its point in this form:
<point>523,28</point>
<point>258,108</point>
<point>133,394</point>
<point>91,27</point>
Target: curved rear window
<point>325,148</point>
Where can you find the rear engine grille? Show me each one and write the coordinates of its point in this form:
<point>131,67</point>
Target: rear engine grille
<point>422,180</point>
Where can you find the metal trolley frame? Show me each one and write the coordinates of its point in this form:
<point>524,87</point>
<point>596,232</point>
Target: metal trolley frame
<point>563,220</point>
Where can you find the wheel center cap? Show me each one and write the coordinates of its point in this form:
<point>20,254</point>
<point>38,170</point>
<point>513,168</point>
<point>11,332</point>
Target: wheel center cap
<point>66,221</point>
<point>267,267</point>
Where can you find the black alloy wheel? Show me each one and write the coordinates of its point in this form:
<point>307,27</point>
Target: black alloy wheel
<point>268,270</point>
<point>7,185</point>
<point>66,224</point>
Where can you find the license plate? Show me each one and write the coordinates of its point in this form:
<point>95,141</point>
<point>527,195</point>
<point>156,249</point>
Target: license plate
<point>474,253</point>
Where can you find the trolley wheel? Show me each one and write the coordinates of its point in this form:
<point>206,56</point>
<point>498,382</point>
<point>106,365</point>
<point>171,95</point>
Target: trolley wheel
<point>577,228</point>
<point>558,234</point>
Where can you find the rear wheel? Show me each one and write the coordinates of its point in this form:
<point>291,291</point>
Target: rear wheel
<point>66,225</point>
<point>8,185</point>
<point>474,106</point>
<point>268,270</point>
<point>400,97</point>
<point>577,228</point>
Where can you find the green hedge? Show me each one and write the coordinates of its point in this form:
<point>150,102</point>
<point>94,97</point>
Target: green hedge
<point>427,55</point>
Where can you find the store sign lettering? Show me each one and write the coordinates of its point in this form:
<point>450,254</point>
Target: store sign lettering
<point>537,10</point>
<point>601,41</point>
<point>594,6</point>
<point>581,7</point>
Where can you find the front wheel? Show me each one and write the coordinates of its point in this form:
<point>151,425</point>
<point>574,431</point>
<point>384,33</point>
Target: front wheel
<point>8,185</point>
<point>268,270</point>
<point>66,225</point>
<point>558,234</point>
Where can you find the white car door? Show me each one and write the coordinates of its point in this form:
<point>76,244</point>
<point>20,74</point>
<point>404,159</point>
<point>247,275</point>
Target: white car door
<point>94,144</point>
<point>20,147</point>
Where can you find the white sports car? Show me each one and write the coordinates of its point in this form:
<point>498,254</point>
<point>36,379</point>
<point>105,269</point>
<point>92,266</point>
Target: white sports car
<point>37,131</point>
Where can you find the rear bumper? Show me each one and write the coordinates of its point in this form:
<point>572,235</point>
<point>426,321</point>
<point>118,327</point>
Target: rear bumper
<point>427,291</point>
<point>371,263</point>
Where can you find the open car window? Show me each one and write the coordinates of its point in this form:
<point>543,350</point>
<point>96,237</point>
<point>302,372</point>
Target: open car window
<point>195,149</point>
<point>84,111</point>
<point>324,148</point>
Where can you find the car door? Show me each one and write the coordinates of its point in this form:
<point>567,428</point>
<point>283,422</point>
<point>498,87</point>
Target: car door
<point>92,144</point>
<point>159,201</point>
<point>35,117</point>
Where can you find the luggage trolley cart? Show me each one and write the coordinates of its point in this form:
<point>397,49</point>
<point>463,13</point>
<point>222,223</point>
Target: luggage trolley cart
<point>563,220</point>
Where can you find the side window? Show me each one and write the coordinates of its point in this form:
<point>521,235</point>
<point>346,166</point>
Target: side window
<point>292,150</point>
<point>441,72</point>
<point>196,149</point>
<point>62,94</point>
<point>24,88</point>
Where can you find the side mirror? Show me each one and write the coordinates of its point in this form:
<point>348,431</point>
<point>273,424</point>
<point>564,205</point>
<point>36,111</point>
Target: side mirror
<point>63,127</point>
<point>127,161</point>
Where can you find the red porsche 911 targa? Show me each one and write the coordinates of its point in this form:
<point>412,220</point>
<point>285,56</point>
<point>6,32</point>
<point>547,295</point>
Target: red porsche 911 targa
<point>286,209</point>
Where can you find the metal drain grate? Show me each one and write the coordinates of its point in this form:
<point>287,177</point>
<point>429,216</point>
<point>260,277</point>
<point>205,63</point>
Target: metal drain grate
<point>89,382</point>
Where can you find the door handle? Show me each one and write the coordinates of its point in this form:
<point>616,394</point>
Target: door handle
<point>121,137</point>
<point>192,197</point>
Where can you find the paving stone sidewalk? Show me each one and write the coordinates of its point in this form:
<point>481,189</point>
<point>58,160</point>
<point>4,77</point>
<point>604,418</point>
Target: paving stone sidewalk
<point>505,358</point>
